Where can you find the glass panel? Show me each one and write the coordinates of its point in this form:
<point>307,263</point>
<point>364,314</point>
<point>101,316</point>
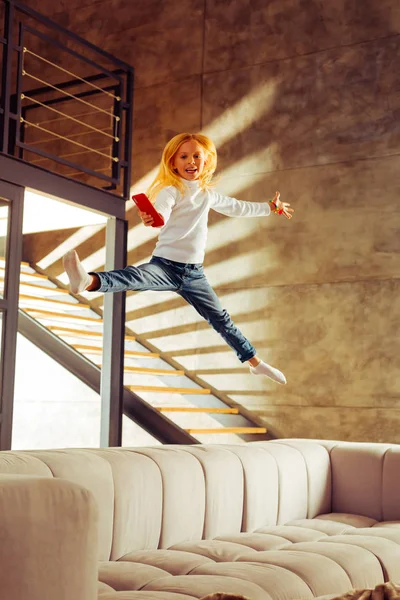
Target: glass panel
<point>4,215</point>
<point>61,412</point>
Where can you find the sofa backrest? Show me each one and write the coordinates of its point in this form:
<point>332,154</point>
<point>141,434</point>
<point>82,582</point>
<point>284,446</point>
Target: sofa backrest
<point>366,480</point>
<point>365,476</point>
<point>156,497</point>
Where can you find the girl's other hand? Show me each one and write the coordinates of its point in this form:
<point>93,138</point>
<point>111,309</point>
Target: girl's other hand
<point>147,220</point>
<point>283,206</point>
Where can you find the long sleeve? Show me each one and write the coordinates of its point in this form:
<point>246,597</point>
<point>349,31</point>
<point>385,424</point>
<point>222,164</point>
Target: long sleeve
<point>164,203</point>
<point>231,207</point>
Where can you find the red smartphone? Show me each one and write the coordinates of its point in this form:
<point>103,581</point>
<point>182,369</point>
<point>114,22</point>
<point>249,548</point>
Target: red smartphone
<point>144,205</point>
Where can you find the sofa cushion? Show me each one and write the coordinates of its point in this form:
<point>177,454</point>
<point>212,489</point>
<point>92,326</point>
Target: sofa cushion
<point>138,503</point>
<point>201,585</point>
<point>260,486</point>
<point>318,572</point>
<point>103,588</point>
<point>216,550</point>
<point>124,575</point>
<point>319,475</point>
<point>361,566</point>
<point>386,551</point>
<point>292,482</point>
<point>257,541</point>
<point>324,525</point>
<point>224,495</point>
<point>293,533</point>
<point>278,582</point>
<point>183,493</point>
<point>388,533</point>
<point>172,561</point>
<point>22,463</point>
<point>353,520</point>
<point>144,596</point>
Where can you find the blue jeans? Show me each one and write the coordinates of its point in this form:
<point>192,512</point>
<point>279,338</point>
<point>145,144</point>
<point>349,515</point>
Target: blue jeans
<point>187,280</point>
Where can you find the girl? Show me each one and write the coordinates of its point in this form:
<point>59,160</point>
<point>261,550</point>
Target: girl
<point>183,195</point>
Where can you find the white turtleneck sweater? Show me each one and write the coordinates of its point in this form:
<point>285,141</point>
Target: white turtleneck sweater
<point>183,238</point>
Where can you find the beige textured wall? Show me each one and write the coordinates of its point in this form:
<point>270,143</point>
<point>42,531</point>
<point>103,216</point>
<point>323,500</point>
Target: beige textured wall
<point>303,97</point>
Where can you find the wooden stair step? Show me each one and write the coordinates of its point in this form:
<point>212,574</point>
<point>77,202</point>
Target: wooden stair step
<point>197,409</point>
<point>97,349</point>
<point>145,370</point>
<point>69,331</point>
<point>34,275</point>
<point>22,263</point>
<point>73,305</point>
<point>167,390</point>
<point>240,430</point>
<point>25,274</point>
<point>46,314</point>
<point>42,288</point>
<point>84,333</point>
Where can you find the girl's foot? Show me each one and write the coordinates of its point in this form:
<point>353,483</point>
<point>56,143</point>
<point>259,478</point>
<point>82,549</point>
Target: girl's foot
<point>79,279</point>
<point>264,369</point>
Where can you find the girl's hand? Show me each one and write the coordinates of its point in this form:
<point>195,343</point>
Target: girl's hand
<point>147,220</point>
<point>283,206</point>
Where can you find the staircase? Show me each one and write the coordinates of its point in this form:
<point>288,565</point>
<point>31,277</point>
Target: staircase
<point>202,414</point>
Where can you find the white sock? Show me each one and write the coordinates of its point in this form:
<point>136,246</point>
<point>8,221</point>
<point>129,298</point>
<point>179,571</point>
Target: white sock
<point>263,369</point>
<point>79,279</point>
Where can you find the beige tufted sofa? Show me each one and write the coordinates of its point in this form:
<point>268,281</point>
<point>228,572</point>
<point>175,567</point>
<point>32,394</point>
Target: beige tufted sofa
<point>279,520</point>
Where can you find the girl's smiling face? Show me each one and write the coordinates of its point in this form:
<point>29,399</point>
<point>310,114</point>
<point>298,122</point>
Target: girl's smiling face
<point>189,160</point>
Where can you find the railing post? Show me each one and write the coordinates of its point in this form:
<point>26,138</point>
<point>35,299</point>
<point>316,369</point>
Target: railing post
<point>6,74</point>
<point>128,133</point>
<point>112,370</point>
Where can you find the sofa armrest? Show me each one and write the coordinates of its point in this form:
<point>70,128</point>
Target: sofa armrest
<point>48,539</point>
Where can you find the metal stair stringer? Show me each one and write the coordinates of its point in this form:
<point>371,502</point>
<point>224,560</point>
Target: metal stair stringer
<point>150,419</point>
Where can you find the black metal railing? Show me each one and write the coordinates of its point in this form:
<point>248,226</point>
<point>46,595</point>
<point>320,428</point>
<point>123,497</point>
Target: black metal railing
<point>65,104</point>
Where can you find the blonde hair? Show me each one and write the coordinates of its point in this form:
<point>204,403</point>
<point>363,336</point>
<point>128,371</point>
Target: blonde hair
<point>166,174</point>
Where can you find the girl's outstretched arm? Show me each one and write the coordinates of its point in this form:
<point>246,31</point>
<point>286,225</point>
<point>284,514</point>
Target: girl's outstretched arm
<point>231,207</point>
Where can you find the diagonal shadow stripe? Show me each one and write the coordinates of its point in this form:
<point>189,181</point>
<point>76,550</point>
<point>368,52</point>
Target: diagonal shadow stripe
<point>261,280</point>
<point>202,325</point>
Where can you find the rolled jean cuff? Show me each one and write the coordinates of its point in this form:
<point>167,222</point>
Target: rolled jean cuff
<point>247,357</point>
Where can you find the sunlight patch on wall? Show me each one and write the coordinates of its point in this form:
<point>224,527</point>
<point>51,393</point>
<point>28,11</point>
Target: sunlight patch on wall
<point>139,234</point>
<point>209,360</point>
<point>178,316</point>
<point>140,186</point>
<point>223,232</point>
<point>246,172</point>
<point>144,299</point>
<point>232,270</point>
<point>243,114</point>
<point>188,340</point>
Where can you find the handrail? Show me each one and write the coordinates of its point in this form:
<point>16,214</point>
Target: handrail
<point>107,80</point>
